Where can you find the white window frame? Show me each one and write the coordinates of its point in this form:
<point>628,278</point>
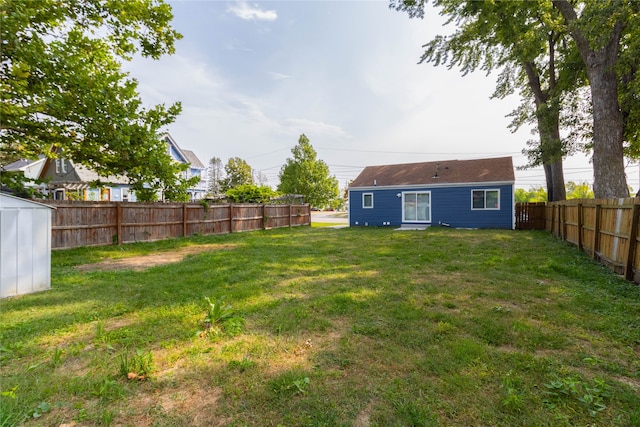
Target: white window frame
<point>404,193</point>
<point>485,191</point>
<point>61,167</point>
<point>364,197</point>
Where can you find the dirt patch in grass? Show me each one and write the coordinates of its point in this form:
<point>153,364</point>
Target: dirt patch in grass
<point>140,263</point>
<point>190,404</point>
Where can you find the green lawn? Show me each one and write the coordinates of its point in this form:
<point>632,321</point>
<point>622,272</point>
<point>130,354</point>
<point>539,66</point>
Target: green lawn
<point>327,327</point>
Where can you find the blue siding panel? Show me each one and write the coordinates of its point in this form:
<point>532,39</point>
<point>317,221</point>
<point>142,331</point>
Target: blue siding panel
<point>449,206</point>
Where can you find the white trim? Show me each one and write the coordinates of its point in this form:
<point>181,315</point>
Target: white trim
<point>429,186</point>
<point>405,221</point>
<point>363,204</point>
<point>485,199</point>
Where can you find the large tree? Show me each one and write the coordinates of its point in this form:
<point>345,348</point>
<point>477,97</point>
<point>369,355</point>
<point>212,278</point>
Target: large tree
<point>216,172</point>
<point>238,172</point>
<point>64,94</point>
<point>523,40</point>
<point>307,175</point>
<point>606,34</point>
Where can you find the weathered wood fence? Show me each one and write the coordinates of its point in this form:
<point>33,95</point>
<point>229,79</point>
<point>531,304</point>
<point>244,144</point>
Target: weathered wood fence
<point>606,229</point>
<point>76,224</point>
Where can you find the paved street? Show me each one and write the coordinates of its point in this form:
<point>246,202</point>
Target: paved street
<point>333,217</point>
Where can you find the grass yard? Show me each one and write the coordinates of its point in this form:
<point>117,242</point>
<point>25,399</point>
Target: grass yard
<point>326,327</point>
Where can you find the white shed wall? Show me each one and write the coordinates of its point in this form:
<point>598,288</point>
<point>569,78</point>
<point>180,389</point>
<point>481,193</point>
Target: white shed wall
<point>25,246</point>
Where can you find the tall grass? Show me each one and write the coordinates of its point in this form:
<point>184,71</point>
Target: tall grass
<point>330,327</point>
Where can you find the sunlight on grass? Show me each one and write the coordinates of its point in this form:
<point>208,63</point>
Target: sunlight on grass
<point>328,327</point>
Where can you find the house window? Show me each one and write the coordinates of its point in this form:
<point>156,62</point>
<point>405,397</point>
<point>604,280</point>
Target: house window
<point>61,167</point>
<point>416,207</point>
<point>485,199</point>
<point>58,194</point>
<point>367,200</point>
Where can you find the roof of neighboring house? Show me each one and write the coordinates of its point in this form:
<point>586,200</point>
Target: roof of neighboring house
<point>22,163</point>
<point>440,172</point>
<point>87,175</point>
<point>192,159</point>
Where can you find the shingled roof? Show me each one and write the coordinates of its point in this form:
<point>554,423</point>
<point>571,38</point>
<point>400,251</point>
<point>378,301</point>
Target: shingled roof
<point>441,172</point>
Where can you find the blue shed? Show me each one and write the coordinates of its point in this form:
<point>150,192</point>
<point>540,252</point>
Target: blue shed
<point>455,193</point>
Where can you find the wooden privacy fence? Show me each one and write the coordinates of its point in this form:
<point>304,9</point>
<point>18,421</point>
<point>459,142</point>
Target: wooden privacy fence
<point>607,229</point>
<point>76,224</point>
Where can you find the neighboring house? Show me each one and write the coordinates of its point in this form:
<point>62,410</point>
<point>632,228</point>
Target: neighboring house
<point>29,168</point>
<point>67,180</point>
<point>196,168</point>
<point>453,193</point>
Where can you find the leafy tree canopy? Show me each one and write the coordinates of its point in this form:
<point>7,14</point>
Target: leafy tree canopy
<point>579,190</point>
<point>215,176</point>
<point>534,195</point>
<point>305,174</point>
<point>64,94</point>
<point>238,173</point>
<point>250,193</point>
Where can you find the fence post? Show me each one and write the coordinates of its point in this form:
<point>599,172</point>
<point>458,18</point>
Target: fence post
<point>230,218</point>
<point>563,232</point>
<point>264,218</point>
<point>596,232</point>
<point>633,243</point>
<point>119,221</point>
<point>289,216</point>
<point>184,219</point>
<point>580,226</point>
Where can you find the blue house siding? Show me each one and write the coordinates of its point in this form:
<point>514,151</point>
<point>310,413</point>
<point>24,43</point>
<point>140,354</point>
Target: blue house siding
<point>450,205</point>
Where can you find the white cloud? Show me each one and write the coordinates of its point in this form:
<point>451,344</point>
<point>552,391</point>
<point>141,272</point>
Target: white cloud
<point>278,76</point>
<point>252,13</point>
<point>317,128</point>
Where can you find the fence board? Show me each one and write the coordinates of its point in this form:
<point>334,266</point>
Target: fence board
<point>606,229</point>
<point>76,224</point>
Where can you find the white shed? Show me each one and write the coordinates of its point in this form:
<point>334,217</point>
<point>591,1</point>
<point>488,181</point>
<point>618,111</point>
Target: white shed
<point>25,246</point>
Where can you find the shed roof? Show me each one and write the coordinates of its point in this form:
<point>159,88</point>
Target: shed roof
<point>11,202</point>
<point>441,172</point>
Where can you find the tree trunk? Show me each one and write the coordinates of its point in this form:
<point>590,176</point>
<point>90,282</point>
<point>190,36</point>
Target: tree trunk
<point>609,179</point>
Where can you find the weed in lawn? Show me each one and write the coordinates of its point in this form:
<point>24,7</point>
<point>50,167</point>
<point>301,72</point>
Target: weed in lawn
<point>242,365</point>
<point>290,383</point>
<point>567,391</point>
<point>108,389</point>
<point>220,319</point>
<point>40,410</point>
<point>513,395</point>
<point>56,357</point>
<point>137,366</point>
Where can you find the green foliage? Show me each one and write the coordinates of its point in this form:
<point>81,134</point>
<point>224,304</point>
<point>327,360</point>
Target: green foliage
<point>533,195</point>
<point>290,383</point>
<point>218,311</point>
<point>250,193</point>
<point>527,44</point>
<point>305,174</point>
<point>220,319</point>
<point>238,172</point>
<point>64,94</point>
<point>136,366</point>
<point>215,176</point>
<point>569,390</point>
<point>579,191</point>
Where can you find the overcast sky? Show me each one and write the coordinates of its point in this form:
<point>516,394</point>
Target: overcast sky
<point>253,76</point>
